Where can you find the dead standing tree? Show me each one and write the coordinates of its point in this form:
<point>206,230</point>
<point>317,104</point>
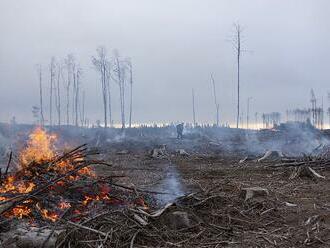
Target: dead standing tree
<point>82,110</point>
<point>69,64</point>
<point>193,107</point>
<point>42,120</point>
<point>77,84</point>
<point>108,81</point>
<point>119,71</point>
<point>101,64</point>
<point>58,93</point>
<point>248,112</point>
<point>52,85</point>
<point>313,109</point>
<point>217,106</point>
<point>130,69</point>
<point>74,89</point>
<point>236,42</point>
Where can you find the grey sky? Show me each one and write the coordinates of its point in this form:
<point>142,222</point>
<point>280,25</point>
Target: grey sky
<point>174,45</point>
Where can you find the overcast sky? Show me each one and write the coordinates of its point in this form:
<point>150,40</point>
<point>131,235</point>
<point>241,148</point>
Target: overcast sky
<point>174,46</point>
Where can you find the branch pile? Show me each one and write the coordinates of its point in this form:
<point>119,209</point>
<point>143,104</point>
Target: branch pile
<point>42,191</point>
<point>217,217</point>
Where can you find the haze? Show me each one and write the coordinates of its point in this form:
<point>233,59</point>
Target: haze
<point>174,46</point>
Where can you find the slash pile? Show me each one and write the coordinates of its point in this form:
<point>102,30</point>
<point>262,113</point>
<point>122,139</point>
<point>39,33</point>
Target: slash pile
<point>46,185</point>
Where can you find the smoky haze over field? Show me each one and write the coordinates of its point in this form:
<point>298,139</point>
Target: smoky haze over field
<point>174,46</point>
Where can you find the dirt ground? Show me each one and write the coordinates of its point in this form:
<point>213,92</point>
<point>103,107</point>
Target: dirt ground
<point>296,213</point>
<point>206,187</point>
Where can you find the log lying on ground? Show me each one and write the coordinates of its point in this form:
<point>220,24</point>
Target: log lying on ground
<point>252,192</point>
<point>271,156</point>
<point>315,162</point>
<point>159,152</point>
<point>306,171</point>
<point>182,152</point>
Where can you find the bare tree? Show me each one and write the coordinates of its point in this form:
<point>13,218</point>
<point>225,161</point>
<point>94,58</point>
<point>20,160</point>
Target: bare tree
<point>58,93</point>
<point>52,85</point>
<point>237,41</point>
<point>119,69</point>
<point>69,64</point>
<point>130,69</point>
<point>101,64</point>
<point>74,90</point>
<point>42,120</point>
<point>82,110</point>
<point>108,81</point>
<point>217,106</point>
<point>256,120</point>
<point>314,108</point>
<point>77,84</point>
<point>193,107</point>
<point>248,112</point>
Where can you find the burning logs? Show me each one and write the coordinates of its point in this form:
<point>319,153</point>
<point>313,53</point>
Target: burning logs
<point>47,184</point>
<point>50,190</point>
<point>40,188</point>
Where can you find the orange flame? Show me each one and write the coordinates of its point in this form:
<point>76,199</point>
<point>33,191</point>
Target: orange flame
<point>47,214</point>
<point>64,205</point>
<point>21,211</point>
<point>40,147</point>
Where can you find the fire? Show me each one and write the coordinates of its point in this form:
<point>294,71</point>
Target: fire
<point>47,214</point>
<point>40,147</point>
<point>103,195</point>
<point>64,205</point>
<point>140,202</point>
<point>22,187</point>
<point>21,211</point>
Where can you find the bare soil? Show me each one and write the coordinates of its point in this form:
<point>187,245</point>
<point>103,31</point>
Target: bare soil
<point>296,213</point>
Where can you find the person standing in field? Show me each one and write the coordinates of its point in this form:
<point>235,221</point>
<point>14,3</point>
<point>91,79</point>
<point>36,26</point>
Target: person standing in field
<point>179,130</point>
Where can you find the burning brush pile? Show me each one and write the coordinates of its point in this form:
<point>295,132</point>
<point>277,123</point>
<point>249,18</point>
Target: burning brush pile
<point>46,187</point>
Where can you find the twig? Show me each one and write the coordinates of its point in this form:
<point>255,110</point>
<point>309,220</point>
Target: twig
<point>133,238</point>
<point>9,161</point>
<point>141,190</point>
<point>84,227</point>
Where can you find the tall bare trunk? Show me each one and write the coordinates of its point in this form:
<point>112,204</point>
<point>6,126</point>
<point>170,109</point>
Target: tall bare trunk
<point>108,78</point>
<point>217,106</point>
<point>58,95</point>
<point>82,110</point>
<point>102,65</point>
<point>237,45</point>
<point>74,89</point>
<point>131,94</point>
<point>121,82</point>
<point>193,107</point>
<point>76,94</point>
<point>105,93</point>
<point>52,77</point>
<point>68,87</point>
<point>248,112</point>
<point>42,120</point>
<point>238,74</point>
